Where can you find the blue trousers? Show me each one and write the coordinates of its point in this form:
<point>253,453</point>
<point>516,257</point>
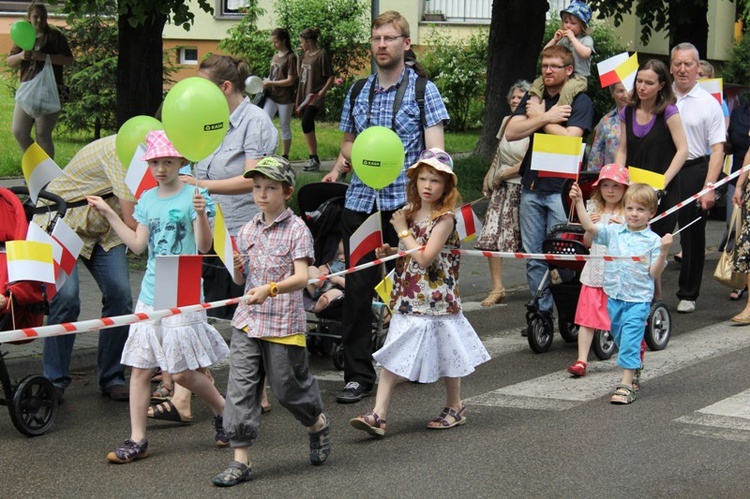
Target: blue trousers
<point>628,323</point>
<point>110,270</point>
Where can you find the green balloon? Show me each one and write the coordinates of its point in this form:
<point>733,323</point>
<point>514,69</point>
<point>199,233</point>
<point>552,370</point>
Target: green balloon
<point>196,117</point>
<point>23,34</point>
<point>378,156</point>
<point>132,133</point>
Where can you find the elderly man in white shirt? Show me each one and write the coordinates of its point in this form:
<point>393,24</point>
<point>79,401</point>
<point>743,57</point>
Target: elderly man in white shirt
<point>703,121</point>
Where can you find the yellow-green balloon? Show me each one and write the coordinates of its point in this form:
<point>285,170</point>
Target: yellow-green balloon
<point>132,133</point>
<point>378,156</point>
<point>23,34</point>
<point>196,117</point>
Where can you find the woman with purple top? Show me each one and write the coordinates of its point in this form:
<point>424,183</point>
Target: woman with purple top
<point>652,137</point>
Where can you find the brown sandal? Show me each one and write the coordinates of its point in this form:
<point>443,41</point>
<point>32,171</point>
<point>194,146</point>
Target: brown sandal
<point>371,423</point>
<point>494,298</point>
<point>440,423</point>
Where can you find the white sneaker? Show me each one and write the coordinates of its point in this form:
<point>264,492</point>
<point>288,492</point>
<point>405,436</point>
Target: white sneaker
<point>686,306</point>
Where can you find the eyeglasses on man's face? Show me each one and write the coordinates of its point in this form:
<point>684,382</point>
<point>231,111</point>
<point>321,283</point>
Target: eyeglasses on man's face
<point>387,39</point>
<point>553,67</point>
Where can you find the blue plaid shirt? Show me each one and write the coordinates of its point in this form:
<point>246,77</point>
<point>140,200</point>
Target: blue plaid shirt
<point>360,197</point>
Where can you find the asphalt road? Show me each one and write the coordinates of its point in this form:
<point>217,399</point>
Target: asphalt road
<point>532,431</point>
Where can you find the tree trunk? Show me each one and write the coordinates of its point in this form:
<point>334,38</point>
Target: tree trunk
<point>140,67</point>
<point>515,40</point>
<point>689,23</point>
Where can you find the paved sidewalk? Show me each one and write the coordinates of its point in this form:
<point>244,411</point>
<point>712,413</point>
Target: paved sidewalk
<point>475,283</point>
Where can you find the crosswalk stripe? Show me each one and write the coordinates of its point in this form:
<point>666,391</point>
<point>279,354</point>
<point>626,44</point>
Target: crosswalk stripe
<point>728,419</point>
<point>559,391</point>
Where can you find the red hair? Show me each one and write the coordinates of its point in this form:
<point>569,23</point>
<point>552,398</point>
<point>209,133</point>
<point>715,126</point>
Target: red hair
<point>446,203</point>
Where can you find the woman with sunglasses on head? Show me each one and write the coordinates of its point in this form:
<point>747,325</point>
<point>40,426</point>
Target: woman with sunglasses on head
<point>50,42</point>
<point>502,185</point>
<point>315,78</point>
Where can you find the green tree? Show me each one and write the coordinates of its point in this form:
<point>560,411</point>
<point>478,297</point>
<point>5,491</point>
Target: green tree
<point>343,24</point>
<point>684,20</point>
<point>458,70</point>
<point>245,40</point>
<point>737,67</point>
<point>91,81</point>
<point>140,75</point>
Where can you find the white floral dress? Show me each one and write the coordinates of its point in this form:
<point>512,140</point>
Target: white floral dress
<point>429,337</point>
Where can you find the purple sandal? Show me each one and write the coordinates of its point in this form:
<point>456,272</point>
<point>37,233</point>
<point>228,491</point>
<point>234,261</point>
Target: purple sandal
<point>376,428</point>
<point>440,423</point>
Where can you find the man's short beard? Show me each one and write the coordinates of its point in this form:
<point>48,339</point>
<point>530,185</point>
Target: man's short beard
<point>393,63</point>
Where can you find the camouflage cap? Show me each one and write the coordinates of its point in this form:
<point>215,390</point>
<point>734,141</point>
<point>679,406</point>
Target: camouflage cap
<point>275,168</point>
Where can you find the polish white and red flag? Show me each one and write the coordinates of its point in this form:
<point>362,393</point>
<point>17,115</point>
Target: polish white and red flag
<point>714,86</point>
<point>467,223</point>
<point>179,278</point>
<point>70,245</point>
<point>138,178</point>
<point>367,238</point>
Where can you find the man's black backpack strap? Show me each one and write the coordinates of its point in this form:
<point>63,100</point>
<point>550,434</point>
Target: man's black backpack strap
<point>420,87</point>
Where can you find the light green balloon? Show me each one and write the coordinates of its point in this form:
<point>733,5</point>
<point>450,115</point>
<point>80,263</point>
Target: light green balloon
<point>196,117</point>
<point>132,133</point>
<point>23,34</point>
<point>378,156</point>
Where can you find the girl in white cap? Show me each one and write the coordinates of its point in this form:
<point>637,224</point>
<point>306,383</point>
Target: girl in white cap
<point>172,220</point>
<point>429,337</point>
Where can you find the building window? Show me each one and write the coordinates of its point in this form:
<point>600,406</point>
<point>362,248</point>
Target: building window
<point>231,7</point>
<point>189,56</point>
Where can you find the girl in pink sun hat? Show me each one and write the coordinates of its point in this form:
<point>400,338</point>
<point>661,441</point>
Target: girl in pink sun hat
<point>172,220</point>
<point>605,206</point>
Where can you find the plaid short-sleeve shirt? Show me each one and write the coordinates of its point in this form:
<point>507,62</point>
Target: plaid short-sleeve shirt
<point>360,197</point>
<point>94,171</point>
<point>269,254</point>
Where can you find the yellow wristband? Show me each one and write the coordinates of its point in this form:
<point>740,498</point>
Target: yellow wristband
<point>273,289</point>
<point>404,234</point>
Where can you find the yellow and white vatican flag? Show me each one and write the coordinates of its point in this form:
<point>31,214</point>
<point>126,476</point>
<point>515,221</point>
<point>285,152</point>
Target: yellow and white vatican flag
<point>30,261</point>
<point>38,169</point>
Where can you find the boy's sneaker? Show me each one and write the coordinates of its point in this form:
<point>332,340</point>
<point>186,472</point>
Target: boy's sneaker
<point>221,439</point>
<point>236,472</point>
<point>129,451</point>
<point>320,444</point>
<point>312,166</point>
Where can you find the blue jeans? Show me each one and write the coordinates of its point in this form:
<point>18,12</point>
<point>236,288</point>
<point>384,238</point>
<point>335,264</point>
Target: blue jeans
<point>539,212</point>
<point>110,270</point>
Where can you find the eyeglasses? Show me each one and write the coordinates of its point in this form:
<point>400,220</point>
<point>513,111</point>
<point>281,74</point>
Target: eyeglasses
<point>443,157</point>
<point>553,67</point>
<point>387,39</point>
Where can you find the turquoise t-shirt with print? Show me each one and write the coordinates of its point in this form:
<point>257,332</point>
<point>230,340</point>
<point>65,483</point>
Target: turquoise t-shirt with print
<point>170,229</point>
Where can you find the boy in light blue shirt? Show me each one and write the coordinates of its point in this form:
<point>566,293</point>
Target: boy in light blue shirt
<point>628,284</point>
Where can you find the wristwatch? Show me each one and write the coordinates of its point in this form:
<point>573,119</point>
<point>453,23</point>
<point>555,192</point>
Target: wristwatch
<point>273,289</point>
<point>404,234</point>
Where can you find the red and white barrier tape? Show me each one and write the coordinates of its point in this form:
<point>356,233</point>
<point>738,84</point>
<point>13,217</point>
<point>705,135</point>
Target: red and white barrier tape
<point>695,197</point>
<point>548,257</point>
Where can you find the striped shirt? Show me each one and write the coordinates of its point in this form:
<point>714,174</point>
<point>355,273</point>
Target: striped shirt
<point>360,197</point>
<point>94,171</point>
<point>269,253</point>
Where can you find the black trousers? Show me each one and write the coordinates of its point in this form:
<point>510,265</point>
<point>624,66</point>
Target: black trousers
<point>692,177</point>
<point>357,313</point>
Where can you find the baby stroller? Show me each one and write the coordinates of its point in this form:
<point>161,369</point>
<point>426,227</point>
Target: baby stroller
<point>321,205</point>
<point>32,402</point>
<point>567,239</point>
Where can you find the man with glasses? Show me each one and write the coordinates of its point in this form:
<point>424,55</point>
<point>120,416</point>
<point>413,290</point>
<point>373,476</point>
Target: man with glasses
<point>541,204</point>
<point>386,99</point>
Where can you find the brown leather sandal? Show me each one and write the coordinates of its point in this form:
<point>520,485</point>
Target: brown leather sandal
<point>370,423</point>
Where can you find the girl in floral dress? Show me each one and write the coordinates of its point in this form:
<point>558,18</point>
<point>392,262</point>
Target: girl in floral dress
<point>429,337</point>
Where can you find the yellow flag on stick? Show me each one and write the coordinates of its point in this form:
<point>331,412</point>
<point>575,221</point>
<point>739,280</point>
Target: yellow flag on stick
<point>641,176</point>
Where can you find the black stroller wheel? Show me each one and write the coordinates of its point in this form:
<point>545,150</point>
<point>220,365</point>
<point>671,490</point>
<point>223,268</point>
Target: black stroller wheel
<point>34,406</point>
<point>658,327</point>
<point>540,333</point>
<point>603,345</point>
<point>568,330</point>
<point>337,355</point>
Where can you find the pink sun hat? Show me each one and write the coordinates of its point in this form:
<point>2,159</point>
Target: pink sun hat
<point>159,146</point>
<point>615,172</point>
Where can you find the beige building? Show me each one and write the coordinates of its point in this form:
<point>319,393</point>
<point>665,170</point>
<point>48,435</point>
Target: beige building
<point>457,17</point>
